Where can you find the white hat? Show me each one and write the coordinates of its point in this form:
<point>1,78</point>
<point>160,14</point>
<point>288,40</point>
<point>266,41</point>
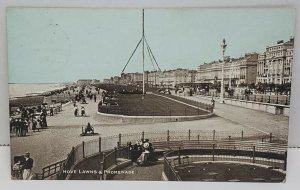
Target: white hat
<point>146,145</point>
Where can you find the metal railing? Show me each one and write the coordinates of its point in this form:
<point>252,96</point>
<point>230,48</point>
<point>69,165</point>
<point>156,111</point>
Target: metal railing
<point>52,169</point>
<point>201,105</point>
<point>186,111</point>
<point>110,158</point>
<point>263,98</point>
<point>131,107</point>
<point>194,154</point>
<point>267,143</point>
<point>170,171</point>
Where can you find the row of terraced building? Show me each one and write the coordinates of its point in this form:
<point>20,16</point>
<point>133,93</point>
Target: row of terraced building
<point>274,65</point>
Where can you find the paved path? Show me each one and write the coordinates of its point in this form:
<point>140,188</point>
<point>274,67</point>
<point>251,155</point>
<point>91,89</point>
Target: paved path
<point>144,173</point>
<point>258,120</point>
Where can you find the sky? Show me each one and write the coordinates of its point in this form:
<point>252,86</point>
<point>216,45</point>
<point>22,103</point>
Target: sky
<point>52,45</point>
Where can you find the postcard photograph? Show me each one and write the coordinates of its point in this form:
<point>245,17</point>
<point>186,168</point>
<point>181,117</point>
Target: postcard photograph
<point>185,94</point>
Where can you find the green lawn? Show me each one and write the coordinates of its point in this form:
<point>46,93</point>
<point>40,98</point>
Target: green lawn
<point>151,105</point>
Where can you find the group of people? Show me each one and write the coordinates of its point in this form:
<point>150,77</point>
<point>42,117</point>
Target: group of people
<point>91,96</point>
<point>82,111</point>
<point>142,152</point>
<point>23,118</point>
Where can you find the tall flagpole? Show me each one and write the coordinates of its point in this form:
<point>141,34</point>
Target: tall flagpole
<point>143,39</point>
<point>223,46</point>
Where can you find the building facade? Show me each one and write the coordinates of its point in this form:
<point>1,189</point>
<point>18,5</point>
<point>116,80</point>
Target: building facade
<point>132,78</point>
<point>275,64</point>
<point>84,82</point>
<point>171,78</point>
<point>236,70</point>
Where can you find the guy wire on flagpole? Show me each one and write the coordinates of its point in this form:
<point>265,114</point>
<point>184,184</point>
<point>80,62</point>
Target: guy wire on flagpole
<point>144,41</point>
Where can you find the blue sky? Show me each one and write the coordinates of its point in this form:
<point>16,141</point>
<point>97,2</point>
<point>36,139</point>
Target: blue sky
<point>47,45</point>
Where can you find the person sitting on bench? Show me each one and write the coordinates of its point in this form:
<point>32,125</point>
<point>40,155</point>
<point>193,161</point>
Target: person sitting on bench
<point>89,128</point>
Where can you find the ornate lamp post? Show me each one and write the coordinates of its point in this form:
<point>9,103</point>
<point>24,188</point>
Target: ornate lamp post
<point>223,46</point>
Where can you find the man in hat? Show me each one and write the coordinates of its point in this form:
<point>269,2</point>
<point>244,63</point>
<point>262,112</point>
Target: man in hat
<point>27,166</point>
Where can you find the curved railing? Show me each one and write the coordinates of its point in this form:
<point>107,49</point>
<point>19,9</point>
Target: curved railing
<point>275,159</point>
<point>239,142</point>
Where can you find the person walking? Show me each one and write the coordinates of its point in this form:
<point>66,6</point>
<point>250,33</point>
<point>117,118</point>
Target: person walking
<point>75,111</point>
<point>51,111</point>
<point>82,111</point>
<point>213,103</point>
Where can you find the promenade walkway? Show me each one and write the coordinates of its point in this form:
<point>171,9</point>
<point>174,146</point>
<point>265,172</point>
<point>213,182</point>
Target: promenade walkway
<point>253,119</point>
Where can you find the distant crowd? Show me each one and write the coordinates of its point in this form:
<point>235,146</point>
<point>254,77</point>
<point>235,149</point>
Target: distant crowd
<point>25,117</point>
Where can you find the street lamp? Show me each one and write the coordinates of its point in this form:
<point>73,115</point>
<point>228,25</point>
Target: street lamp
<point>223,46</point>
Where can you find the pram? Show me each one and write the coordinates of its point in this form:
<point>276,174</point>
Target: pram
<point>17,167</point>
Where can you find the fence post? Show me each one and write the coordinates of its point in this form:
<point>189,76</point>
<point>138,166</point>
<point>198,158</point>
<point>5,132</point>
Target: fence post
<point>120,140</point>
<point>213,153</point>
<point>115,149</point>
<point>168,135</point>
<point>43,173</point>
<point>242,135</point>
<point>73,155</point>
<point>99,144</point>
<point>271,137</point>
<point>128,151</point>
<point>143,135</point>
<point>82,149</point>
<point>253,155</point>
<point>189,134</point>
<point>285,161</point>
<point>102,164</point>
<point>214,134</point>
<point>102,171</point>
<point>198,137</point>
<point>179,159</point>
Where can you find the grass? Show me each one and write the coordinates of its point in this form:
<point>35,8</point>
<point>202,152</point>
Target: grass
<point>151,105</point>
<point>26,101</point>
<point>228,171</point>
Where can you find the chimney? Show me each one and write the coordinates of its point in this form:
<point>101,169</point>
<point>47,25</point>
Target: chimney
<point>280,41</point>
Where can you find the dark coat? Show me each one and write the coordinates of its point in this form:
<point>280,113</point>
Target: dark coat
<point>28,164</point>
